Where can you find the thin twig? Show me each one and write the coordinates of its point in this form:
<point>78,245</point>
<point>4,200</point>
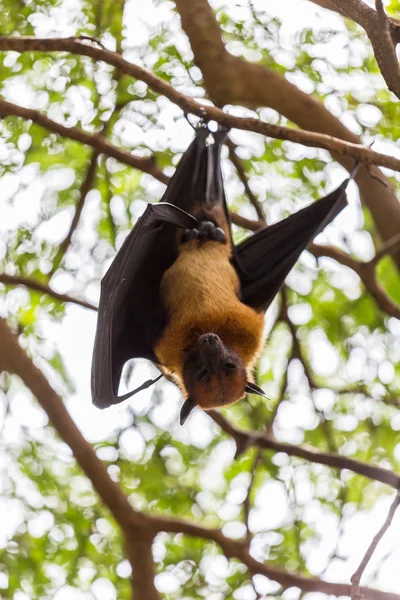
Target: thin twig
<point>246,502</point>
<point>383,33</point>
<point>43,288</point>
<point>385,249</point>
<point>356,593</point>
<point>243,178</point>
<point>85,189</point>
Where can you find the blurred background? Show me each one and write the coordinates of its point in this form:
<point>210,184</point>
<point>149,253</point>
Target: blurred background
<point>330,365</point>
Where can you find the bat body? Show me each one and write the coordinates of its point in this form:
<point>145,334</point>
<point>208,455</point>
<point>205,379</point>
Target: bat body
<point>181,294</point>
<point>200,292</point>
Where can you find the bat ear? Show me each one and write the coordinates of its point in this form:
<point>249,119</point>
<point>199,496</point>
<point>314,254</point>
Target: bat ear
<point>252,388</point>
<point>186,409</point>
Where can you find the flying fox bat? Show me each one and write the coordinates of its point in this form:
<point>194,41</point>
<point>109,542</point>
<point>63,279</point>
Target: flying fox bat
<point>180,293</point>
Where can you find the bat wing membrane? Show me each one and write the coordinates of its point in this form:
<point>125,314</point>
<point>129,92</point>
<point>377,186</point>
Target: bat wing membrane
<point>264,259</point>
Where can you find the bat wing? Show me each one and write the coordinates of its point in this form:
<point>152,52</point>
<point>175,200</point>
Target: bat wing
<point>264,259</point>
<point>131,317</point>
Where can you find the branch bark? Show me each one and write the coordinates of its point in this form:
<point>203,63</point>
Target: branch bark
<point>349,149</point>
<point>140,555</point>
<point>83,192</point>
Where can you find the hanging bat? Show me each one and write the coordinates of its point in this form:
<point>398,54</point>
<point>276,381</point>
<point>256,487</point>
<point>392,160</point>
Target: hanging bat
<point>180,293</point>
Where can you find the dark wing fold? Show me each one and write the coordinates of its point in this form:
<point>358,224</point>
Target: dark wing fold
<point>131,317</point>
<point>264,259</point>
<point>129,314</point>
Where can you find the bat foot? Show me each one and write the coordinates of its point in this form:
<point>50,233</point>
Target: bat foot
<point>206,231</point>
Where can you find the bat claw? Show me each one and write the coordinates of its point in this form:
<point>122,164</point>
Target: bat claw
<point>206,226</point>
<point>218,235</point>
<point>206,231</point>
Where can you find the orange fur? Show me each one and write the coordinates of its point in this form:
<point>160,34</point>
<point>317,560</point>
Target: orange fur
<point>200,295</point>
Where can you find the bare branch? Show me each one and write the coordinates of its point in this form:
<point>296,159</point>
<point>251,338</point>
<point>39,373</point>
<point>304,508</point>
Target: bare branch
<point>43,288</point>
<point>329,5</point>
<point>14,360</point>
<point>247,502</point>
<point>356,592</point>
<point>139,552</point>
<point>138,535</point>
<point>246,223</point>
<point>96,141</point>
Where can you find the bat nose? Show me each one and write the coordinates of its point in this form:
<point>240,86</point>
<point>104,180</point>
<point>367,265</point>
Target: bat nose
<point>210,339</point>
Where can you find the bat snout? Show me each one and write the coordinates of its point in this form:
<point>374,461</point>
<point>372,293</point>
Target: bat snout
<point>209,339</point>
<point>210,346</point>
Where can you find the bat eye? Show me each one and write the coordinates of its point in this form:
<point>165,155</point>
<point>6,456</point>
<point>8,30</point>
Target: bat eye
<point>203,373</point>
<point>230,366</point>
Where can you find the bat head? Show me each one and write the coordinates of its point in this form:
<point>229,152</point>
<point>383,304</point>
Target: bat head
<point>214,376</point>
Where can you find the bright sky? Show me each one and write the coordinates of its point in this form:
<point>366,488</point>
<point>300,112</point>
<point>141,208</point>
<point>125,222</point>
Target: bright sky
<point>74,336</point>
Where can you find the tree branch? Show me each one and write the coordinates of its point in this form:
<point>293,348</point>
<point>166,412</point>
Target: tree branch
<point>328,5</point>
<point>386,248</point>
<point>245,439</point>
<point>96,141</point>
<point>140,555</point>
<point>83,192</point>
<point>388,61</point>
<point>239,549</point>
<point>15,360</point>
<point>356,592</point>
<point>135,525</point>
<point>366,272</point>
<point>43,288</point>
<point>307,138</point>
<point>383,34</point>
